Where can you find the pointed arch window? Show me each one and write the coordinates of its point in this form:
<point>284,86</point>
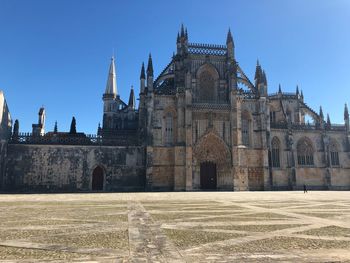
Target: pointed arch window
<point>169,135</point>
<point>207,84</point>
<point>333,150</point>
<point>305,152</point>
<point>275,153</point>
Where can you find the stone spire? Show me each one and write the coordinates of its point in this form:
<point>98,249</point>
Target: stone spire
<point>150,74</point>
<point>279,88</point>
<point>264,77</point>
<point>258,74</point>
<point>321,114</point>
<point>328,121</point>
<point>346,112</point>
<point>229,38</point>
<point>150,66</point>
<point>55,129</point>
<point>182,30</point>
<point>178,38</point>
<point>111,87</point>
<point>16,128</point>
<point>230,45</point>
<point>143,75</point>
<point>297,91</point>
<point>73,126</point>
<point>142,79</point>
<point>346,118</point>
<point>132,102</point>
<point>301,95</point>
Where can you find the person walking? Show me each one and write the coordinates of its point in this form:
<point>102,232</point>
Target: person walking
<point>305,189</point>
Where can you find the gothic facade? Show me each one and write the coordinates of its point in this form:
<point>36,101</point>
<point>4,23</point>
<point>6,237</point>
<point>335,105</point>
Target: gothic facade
<point>202,124</point>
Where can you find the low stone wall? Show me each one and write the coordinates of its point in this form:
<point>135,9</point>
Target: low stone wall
<point>70,168</point>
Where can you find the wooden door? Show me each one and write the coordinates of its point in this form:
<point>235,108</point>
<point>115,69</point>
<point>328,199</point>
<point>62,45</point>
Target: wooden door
<point>208,176</point>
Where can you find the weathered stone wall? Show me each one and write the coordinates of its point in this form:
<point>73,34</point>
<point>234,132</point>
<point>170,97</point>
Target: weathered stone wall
<point>163,168</point>
<point>321,175</point>
<point>70,168</point>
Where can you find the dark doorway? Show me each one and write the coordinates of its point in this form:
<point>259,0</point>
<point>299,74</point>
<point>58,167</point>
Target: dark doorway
<point>97,179</point>
<point>208,176</point>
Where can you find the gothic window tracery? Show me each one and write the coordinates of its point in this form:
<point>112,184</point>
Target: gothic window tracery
<point>305,152</point>
<point>207,84</point>
<point>333,150</point>
<point>169,137</point>
<point>273,116</point>
<point>275,152</point>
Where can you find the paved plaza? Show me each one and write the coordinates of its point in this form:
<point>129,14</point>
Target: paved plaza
<point>176,227</point>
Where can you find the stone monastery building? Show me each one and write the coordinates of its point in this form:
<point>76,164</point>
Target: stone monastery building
<point>202,124</point>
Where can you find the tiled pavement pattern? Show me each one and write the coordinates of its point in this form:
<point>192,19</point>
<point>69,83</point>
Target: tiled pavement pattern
<point>176,227</point>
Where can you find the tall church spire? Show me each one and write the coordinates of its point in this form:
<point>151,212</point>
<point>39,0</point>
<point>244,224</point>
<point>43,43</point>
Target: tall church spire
<point>111,87</point>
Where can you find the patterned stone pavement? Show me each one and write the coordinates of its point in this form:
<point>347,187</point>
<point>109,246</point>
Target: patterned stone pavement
<point>176,227</point>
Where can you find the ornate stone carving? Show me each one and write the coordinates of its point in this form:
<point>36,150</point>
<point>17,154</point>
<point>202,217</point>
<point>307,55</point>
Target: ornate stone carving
<point>211,147</point>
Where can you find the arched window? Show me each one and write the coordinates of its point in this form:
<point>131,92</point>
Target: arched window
<point>275,152</point>
<point>333,150</point>
<point>207,85</point>
<point>305,152</point>
<point>273,116</point>
<point>169,137</point>
<point>246,123</point>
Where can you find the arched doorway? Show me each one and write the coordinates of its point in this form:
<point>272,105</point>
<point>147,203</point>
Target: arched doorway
<point>208,176</point>
<point>97,179</point>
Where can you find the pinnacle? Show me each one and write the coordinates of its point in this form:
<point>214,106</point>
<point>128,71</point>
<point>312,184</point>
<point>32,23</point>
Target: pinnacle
<point>142,75</point>
<point>150,66</point>
<point>229,38</point>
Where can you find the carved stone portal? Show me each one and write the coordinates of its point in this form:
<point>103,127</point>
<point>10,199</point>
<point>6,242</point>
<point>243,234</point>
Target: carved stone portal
<point>211,148</point>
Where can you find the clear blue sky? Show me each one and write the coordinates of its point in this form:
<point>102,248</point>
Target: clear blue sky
<point>57,53</point>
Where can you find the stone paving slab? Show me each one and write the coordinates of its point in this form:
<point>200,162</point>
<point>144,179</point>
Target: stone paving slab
<point>176,227</point>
